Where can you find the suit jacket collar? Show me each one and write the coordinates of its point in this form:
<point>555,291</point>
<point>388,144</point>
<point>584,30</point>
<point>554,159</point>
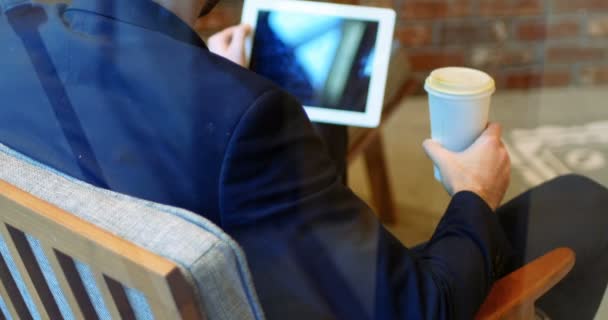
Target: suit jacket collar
<point>143,13</point>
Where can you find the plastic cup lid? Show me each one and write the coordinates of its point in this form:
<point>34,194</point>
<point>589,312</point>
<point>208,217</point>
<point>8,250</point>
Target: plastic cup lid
<point>460,81</point>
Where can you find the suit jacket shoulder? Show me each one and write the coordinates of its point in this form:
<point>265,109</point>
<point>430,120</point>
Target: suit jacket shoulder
<point>119,105</point>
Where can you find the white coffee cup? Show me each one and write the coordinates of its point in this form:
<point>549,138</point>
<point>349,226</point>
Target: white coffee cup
<point>459,101</point>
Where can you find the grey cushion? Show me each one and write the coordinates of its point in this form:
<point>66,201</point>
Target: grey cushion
<point>210,260</point>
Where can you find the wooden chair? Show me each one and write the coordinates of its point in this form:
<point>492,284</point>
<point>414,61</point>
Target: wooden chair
<point>65,239</point>
<point>116,262</point>
<point>513,296</point>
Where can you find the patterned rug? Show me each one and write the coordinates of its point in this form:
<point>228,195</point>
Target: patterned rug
<point>546,152</point>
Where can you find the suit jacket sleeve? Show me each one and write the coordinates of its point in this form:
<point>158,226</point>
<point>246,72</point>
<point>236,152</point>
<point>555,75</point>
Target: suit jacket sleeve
<point>316,251</point>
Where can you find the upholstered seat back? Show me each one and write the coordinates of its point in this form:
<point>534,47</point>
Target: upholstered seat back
<point>211,262</point>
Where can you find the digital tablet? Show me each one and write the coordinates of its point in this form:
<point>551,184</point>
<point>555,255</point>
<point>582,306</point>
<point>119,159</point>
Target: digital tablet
<point>332,57</point>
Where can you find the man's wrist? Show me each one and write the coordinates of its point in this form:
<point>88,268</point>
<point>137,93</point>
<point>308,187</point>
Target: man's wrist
<point>481,195</point>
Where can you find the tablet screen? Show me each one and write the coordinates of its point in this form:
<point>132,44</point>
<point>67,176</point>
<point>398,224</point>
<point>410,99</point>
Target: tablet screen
<point>322,60</point>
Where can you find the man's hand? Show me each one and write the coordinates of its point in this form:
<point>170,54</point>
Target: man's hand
<point>230,43</point>
<point>484,168</point>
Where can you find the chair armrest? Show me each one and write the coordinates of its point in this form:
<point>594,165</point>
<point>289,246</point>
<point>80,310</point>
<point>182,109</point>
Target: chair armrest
<point>513,296</point>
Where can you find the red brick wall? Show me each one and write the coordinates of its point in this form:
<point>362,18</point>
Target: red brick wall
<point>522,43</point>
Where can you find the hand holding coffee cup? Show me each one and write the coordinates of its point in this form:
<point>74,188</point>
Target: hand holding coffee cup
<point>467,151</point>
<point>459,101</point>
<point>483,168</point>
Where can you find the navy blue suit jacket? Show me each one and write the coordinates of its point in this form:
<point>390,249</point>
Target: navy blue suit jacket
<point>124,95</point>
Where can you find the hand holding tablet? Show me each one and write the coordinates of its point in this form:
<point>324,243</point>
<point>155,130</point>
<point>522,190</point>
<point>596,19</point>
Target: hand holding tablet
<point>230,43</point>
<point>333,58</point>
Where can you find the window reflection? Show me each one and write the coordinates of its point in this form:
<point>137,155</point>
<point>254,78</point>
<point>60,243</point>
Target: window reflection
<point>146,121</point>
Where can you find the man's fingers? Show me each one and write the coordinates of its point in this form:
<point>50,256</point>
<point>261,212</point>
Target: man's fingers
<point>225,34</point>
<point>436,152</point>
<point>223,39</point>
<point>217,43</point>
<point>493,129</point>
<point>239,34</point>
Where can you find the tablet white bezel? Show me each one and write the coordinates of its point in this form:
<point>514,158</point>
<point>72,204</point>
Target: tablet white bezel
<point>386,25</point>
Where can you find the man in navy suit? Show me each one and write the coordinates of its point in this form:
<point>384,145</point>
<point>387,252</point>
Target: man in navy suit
<point>125,95</point>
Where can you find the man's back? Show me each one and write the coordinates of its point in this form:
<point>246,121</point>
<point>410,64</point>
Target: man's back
<point>139,106</point>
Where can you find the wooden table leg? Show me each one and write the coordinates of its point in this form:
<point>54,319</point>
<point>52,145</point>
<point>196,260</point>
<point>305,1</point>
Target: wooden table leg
<point>377,172</point>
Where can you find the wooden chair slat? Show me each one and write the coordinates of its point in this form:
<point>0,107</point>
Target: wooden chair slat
<point>79,303</point>
<point>120,298</point>
<point>35,273</point>
<point>378,176</point>
<point>10,293</point>
<point>76,285</point>
<point>34,281</point>
<point>106,294</point>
